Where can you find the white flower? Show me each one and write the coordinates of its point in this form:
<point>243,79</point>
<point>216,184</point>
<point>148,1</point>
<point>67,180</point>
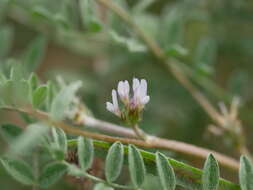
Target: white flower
<point>140,97</point>
<point>114,106</point>
<point>138,100</point>
<point>123,91</point>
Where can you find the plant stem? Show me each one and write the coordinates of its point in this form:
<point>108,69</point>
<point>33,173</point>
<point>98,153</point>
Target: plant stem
<point>154,142</point>
<point>140,133</point>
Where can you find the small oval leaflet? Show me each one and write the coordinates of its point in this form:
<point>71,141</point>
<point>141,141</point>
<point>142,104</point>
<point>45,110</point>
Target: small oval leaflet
<point>114,162</point>
<point>52,173</point>
<point>19,170</point>
<point>246,173</point>
<point>85,152</point>
<point>211,174</point>
<point>165,172</point>
<point>136,166</point>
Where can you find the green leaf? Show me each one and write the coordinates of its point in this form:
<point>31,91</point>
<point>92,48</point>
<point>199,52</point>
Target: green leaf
<point>10,132</point>
<point>60,142</point>
<point>75,171</point>
<point>173,30</point>
<point>39,96</point>
<point>31,137</point>
<point>132,44</point>
<point>63,99</point>
<point>205,52</point>
<point>176,51</point>
<point>246,173</point>
<point>136,166</point>
<point>19,170</point>
<point>165,172</point>
<point>87,9</point>
<point>101,186</point>
<point>34,54</point>
<point>6,37</point>
<point>114,162</point>
<point>15,93</point>
<point>211,174</point>
<point>52,173</point>
<point>33,82</point>
<point>85,152</point>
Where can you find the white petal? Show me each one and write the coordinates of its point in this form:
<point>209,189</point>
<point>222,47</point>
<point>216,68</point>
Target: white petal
<point>145,100</point>
<point>115,99</point>
<point>143,90</point>
<point>126,88</point>
<point>110,107</point>
<point>121,88</point>
<point>136,84</point>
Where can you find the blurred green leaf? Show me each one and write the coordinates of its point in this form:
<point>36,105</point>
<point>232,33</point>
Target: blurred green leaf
<point>246,173</point>
<point>15,93</point>
<point>19,170</point>
<point>33,82</point>
<point>34,54</point>
<point>63,99</point>
<point>172,25</point>
<point>130,43</point>
<point>52,173</point>
<point>6,37</point>
<point>75,171</point>
<point>211,174</point>
<point>31,137</point>
<point>39,96</point>
<point>176,51</point>
<point>165,172</point>
<point>10,132</point>
<point>60,141</point>
<point>142,5</point>
<point>101,186</point>
<point>136,166</point>
<point>88,16</point>
<point>114,162</point>
<point>85,152</point>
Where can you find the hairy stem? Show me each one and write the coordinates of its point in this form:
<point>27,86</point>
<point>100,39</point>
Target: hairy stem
<point>153,142</point>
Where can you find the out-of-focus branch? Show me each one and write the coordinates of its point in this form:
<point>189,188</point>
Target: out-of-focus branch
<point>153,142</point>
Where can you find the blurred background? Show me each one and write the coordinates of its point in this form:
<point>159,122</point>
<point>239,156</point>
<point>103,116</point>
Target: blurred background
<point>211,39</point>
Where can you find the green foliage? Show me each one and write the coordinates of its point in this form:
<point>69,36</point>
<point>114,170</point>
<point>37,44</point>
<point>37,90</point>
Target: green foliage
<point>6,37</point>
<point>209,41</point>
<point>88,10</point>
<point>34,54</point>
<point>52,173</point>
<point>114,162</point>
<point>63,100</point>
<point>165,172</point>
<point>101,186</point>
<point>211,174</point>
<point>246,173</point>
<point>39,96</point>
<point>31,137</point>
<point>10,132</point>
<point>59,146</point>
<point>136,166</point>
<point>85,152</point>
<point>19,170</point>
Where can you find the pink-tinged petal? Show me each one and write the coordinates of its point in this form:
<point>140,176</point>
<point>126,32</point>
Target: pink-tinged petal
<point>115,99</point>
<point>145,100</point>
<point>110,107</point>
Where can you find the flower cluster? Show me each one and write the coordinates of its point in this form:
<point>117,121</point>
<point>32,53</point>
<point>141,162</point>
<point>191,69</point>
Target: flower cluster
<point>133,105</point>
